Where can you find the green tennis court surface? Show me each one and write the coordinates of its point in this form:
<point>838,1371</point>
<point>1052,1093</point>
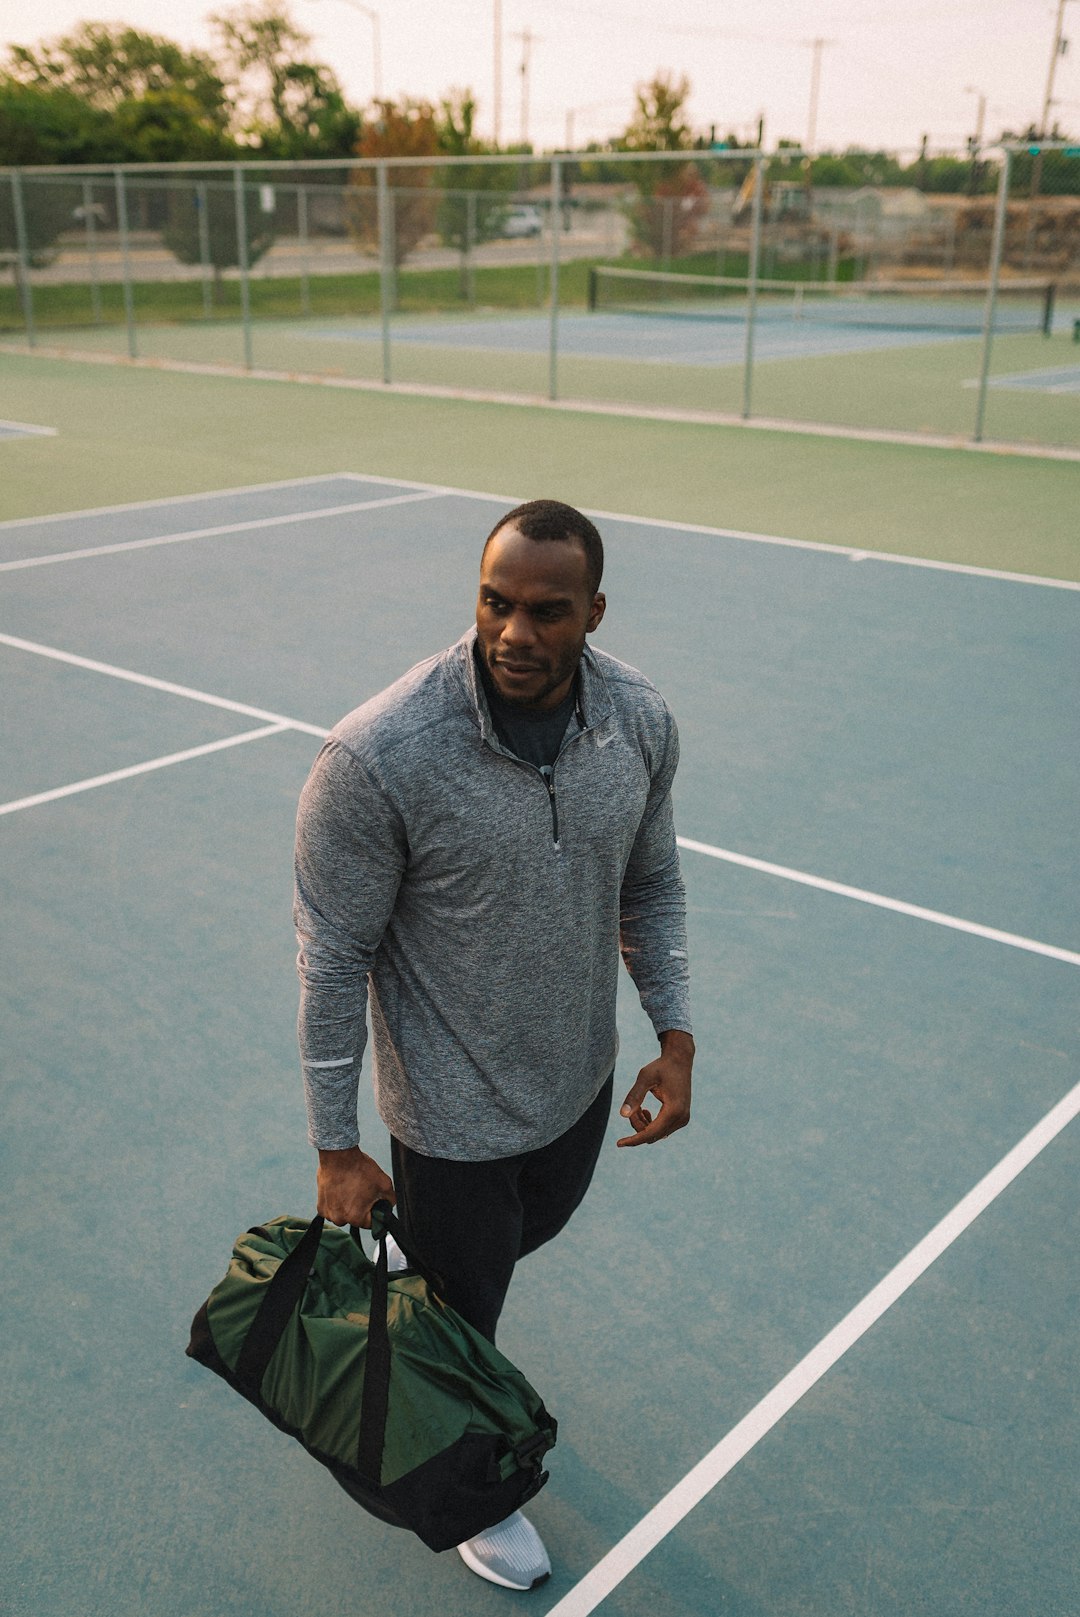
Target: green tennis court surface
<point>812,1357</point>
<point>880,368</point>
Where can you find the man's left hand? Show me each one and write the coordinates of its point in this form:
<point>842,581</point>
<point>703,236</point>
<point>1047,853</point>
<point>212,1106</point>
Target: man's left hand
<point>668,1078</point>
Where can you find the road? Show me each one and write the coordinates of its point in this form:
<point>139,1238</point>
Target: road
<point>602,236</point>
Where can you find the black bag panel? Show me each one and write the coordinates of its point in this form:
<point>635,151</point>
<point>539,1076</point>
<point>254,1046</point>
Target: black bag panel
<point>455,1495</point>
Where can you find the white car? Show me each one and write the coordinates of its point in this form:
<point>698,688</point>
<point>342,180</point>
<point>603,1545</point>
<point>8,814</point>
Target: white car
<point>523,219</point>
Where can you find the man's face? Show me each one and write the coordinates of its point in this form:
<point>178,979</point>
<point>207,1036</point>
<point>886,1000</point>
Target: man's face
<point>533,612</point>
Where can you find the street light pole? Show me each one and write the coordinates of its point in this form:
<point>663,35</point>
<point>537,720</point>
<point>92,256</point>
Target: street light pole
<point>376,44</point>
<point>497,75</point>
<point>817,46</point>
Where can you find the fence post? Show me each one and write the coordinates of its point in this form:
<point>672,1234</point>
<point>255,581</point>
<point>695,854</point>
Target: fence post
<point>553,291</point>
<point>991,293</point>
<point>125,259</point>
<point>242,259</point>
<point>752,289</point>
<point>302,232</point>
<point>470,239</point>
<point>202,211</point>
<point>22,249</point>
<point>386,263</point>
<point>90,222</point>
<point>667,231</point>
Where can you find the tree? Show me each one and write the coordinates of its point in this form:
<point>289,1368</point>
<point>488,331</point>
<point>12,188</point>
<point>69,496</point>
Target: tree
<point>43,126</point>
<point>46,211</point>
<point>671,198</point>
<point>168,126</point>
<point>658,124</point>
<point>473,207</point>
<point>319,121</point>
<point>404,129</point>
<point>50,126</point>
<point>105,64</point>
<point>294,108</point>
<point>203,217</point>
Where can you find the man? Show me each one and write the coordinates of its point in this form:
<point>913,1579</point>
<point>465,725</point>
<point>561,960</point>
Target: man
<point>477,843</point>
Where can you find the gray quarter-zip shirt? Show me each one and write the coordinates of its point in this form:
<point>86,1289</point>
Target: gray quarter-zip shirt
<point>481,906</point>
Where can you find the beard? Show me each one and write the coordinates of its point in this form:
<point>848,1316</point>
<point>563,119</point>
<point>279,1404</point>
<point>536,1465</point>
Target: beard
<point>550,675</point>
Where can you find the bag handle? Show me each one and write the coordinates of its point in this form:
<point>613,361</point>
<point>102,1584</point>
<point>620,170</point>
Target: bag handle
<point>280,1301</point>
<point>384,1221</point>
<point>283,1296</point>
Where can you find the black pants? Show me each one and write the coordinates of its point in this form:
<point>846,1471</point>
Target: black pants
<point>472,1221</point>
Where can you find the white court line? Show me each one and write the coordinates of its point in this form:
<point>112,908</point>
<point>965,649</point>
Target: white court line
<point>30,431</point>
<point>938,917</point>
<point>748,537</point>
<point>509,500</point>
<point>222,529</point>
<point>184,499</point>
<point>141,769</point>
<point>957,924</point>
<point>161,685</point>
<point>620,1561</point>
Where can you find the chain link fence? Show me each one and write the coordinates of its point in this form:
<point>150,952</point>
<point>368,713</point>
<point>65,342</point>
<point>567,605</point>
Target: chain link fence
<point>915,293</point>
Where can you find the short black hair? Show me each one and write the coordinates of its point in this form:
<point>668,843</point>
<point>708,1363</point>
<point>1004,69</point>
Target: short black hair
<point>551,519</point>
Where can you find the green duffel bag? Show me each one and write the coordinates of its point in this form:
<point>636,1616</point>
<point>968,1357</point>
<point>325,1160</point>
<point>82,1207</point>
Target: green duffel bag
<point>420,1419</point>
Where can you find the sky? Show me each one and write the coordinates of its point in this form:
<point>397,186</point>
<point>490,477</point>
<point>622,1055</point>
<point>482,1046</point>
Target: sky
<point>889,73</point>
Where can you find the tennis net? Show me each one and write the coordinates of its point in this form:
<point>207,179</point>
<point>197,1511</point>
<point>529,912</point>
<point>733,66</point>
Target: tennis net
<point>946,306</point>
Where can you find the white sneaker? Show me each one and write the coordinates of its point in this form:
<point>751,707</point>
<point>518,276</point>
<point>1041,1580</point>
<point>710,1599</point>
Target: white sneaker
<point>511,1554</point>
<point>396,1260</point>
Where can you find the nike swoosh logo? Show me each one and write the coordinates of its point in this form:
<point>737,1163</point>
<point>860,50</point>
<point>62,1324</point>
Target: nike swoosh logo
<point>604,741</point>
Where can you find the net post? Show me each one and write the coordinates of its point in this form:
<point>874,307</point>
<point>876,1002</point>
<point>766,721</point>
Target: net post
<point>239,201</point>
<point>991,293</point>
<point>386,255</point>
<point>22,260</point>
<point>125,258</point>
<point>752,288</point>
<point>1048,308</point>
<point>591,294</point>
<point>553,289</point>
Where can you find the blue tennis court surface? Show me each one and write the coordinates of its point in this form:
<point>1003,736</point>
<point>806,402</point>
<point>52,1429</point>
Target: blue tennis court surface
<point>814,1356</point>
<point>657,339</point>
<point>1055,379</point>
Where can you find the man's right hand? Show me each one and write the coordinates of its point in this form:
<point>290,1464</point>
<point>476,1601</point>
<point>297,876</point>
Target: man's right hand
<point>349,1185</point>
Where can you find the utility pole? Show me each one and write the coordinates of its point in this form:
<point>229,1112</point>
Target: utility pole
<point>497,78</point>
<point>528,40</point>
<point>980,117</point>
<point>1061,45</point>
<point>975,144</point>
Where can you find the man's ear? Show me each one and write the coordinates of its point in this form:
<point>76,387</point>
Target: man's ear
<point>596,612</point>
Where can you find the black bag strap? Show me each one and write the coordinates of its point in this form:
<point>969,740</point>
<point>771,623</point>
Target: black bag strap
<point>376,1395</point>
<point>279,1303</point>
<point>283,1296</point>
